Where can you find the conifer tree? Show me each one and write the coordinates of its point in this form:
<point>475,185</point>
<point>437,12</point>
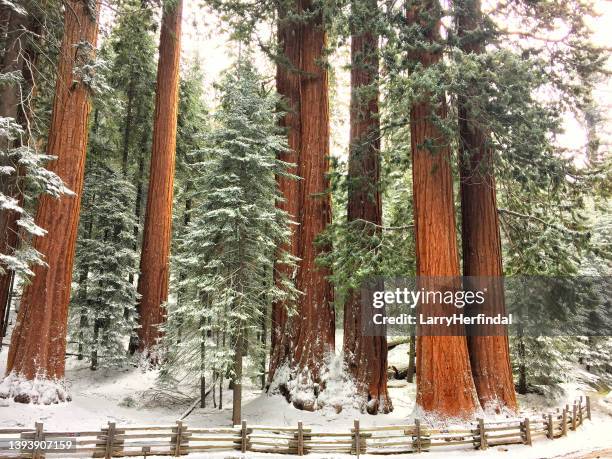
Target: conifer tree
<point>154,259</point>
<point>229,246</point>
<point>365,356</point>
<point>480,233</point>
<point>131,75</point>
<point>444,380</point>
<point>38,342</point>
<point>21,34</point>
<point>103,303</point>
<point>300,344</point>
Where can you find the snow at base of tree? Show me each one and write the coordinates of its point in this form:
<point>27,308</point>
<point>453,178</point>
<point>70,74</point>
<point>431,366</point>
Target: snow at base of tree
<point>39,391</point>
<point>335,394</point>
<point>117,395</point>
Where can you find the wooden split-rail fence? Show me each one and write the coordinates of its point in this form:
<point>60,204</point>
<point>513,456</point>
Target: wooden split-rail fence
<point>180,439</point>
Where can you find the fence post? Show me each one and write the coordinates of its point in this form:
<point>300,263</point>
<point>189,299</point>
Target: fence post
<point>300,439</point>
<point>580,411</point>
<point>356,437</point>
<point>38,436</point>
<point>551,432</point>
<point>527,431</point>
<point>564,423</point>
<point>588,407</point>
<point>110,440</point>
<point>483,434</point>
<point>574,417</point>
<point>177,438</point>
<point>417,431</point>
<point>243,433</point>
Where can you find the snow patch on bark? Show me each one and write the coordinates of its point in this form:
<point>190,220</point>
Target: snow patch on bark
<point>39,391</point>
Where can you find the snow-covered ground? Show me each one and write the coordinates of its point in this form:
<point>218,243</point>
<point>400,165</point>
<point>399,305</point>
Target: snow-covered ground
<point>121,396</point>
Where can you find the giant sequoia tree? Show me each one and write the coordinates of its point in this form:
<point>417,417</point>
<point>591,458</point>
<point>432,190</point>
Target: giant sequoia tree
<point>365,356</point>
<point>154,268</point>
<point>444,380</point>
<point>482,258</point>
<point>38,342</point>
<point>302,341</point>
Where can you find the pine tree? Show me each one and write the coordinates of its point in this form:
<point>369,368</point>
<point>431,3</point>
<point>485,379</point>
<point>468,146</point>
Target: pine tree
<point>38,342</point>
<point>154,260</point>
<point>228,250</point>
<point>103,303</point>
<point>131,75</point>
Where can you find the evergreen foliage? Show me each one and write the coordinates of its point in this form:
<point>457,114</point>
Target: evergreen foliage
<point>103,308</point>
<point>227,252</point>
<point>103,302</point>
<point>27,168</point>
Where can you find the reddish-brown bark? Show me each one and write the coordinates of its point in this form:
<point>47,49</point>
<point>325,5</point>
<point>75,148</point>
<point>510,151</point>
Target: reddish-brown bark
<point>444,380</point>
<point>365,356</point>
<point>154,259</point>
<point>303,341</point>
<point>38,343</point>
<point>482,257</point>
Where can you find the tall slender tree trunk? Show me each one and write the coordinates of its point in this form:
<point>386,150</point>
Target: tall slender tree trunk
<point>411,359</point>
<point>154,269</point>
<point>482,257</point>
<point>38,343</point>
<point>237,381</point>
<point>522,366</point>
<point>133,344</point>
<point>365,356</point>
<point>444,380</point>
<point>305,340</point>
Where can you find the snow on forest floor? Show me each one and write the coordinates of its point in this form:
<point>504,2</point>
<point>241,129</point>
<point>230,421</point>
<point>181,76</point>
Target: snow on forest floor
<point>117,396</point>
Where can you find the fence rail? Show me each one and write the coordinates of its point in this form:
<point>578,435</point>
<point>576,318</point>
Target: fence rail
<point>180,440</point>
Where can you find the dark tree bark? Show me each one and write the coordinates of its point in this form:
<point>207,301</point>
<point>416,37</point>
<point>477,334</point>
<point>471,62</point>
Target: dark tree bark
<point>133,344</point>
<point>302,80</point>
<point>365,356</point>
<point>154,260</point>
<point>411,360</point>
<point>237,381</point>
<point>444,380</point>
<point>38,343</point>
<point>522,368</point>
<point>482,257</point>
<point>17,55</point>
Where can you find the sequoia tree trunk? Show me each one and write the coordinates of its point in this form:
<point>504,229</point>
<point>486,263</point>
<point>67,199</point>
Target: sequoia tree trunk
<point>304,341</point>
<point>365,356</point>
<point>154,259</point>
<point>444,379</point>
<point>482,257</point>
<point>38,343</point>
